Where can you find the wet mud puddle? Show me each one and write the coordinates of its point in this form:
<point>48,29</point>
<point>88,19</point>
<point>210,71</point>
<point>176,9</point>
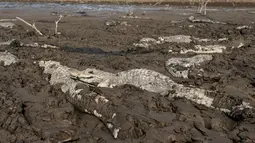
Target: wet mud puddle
<point>96,51</point>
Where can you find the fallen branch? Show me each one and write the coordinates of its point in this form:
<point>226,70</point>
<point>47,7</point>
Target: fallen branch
<point>33,26</point>
<point>56,28</point>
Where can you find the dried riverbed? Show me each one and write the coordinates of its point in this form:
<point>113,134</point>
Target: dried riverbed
<point>158,76</point>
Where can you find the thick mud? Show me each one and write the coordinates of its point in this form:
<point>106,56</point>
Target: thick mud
<point>33,110</point>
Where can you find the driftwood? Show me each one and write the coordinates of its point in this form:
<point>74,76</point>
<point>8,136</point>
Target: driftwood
<point>33,26</point>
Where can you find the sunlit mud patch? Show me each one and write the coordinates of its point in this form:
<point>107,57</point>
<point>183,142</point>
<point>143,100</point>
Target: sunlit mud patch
<point>8,58</point>
<point>208,49</point>
<point>179,67</point>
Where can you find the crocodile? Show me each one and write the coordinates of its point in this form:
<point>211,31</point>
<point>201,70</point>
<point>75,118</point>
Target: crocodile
<point>82,89</point>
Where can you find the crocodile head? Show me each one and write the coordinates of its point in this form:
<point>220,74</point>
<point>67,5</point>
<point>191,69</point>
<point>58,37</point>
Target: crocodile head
<point>90,75</point>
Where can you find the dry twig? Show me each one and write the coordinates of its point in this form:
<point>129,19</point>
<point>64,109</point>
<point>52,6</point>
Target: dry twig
<point>33,26</point>
<point>202,6</point>
<point>56,28</point>
<point>130,10</point>
<point>158,3</point>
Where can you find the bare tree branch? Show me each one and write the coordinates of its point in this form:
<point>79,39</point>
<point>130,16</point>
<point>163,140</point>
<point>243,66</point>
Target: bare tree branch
<point>202,6</point>
<point>33,26</point>
<point>158,3</point>
<point>56,22</point>
<point>191,2</point>
<point>205,6</point>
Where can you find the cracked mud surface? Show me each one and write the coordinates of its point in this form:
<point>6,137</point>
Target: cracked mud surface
<point>31,110</point>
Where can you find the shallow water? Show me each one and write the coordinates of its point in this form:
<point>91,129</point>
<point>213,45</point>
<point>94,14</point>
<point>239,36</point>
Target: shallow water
<point>96,51</point>
<point>92,7</point>
<point>105,7</point>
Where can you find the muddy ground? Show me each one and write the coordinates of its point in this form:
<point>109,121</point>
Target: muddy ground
<point>31,110</point>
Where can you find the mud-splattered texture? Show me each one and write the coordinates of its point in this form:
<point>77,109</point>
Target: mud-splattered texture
<point>40,106</point>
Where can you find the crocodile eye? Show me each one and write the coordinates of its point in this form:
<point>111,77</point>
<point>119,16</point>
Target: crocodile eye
<point>53,66</point>
<point>90,77</point>
<point>91,72</point>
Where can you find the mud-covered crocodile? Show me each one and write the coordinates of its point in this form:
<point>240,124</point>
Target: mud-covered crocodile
<point>90,100</point>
